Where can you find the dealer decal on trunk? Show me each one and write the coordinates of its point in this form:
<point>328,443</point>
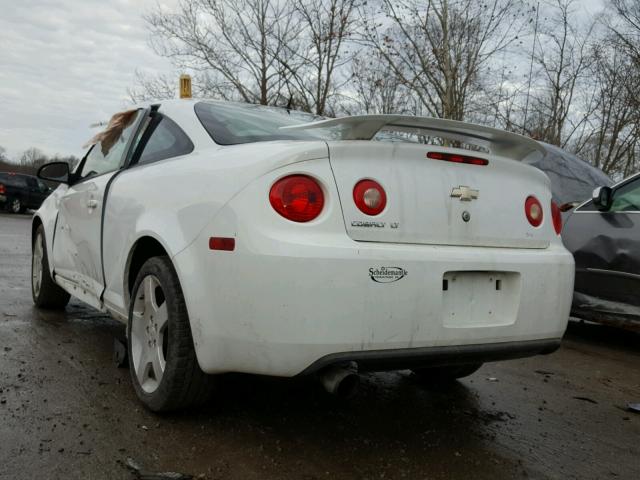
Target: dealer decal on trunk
<point>387,274</point>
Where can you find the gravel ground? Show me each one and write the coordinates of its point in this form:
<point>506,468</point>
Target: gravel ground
<point>67,412</point>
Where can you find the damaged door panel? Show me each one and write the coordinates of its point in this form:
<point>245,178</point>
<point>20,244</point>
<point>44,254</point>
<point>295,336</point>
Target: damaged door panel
<point>605,242</point>
<point>77,253</point>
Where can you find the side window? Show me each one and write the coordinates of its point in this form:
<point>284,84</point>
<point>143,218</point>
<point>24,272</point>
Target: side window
<point>32,183</point>
<point>108,152</point>
<point>627,198</point>
<point>20,181</point>
<point>166,140</point>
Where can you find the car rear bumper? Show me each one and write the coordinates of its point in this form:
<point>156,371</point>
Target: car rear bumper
<point>404,358</point>
<point>279,305</point>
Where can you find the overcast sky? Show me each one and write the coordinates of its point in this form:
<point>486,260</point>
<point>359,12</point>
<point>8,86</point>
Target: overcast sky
<point>65,64</point>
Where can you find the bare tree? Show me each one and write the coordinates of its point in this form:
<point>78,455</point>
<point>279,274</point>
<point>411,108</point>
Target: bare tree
<point>318,51</point>
<point>626,26</point>
<point>439,48</point>
<point>33,157</point>
<point>563,60</point>
<point>376,89</point>
<point>161,87</point>
<point>238,43</point>
<point>149,88</point>
<point>612,139</point>
<point>454,59</point>
<point>498,102</point>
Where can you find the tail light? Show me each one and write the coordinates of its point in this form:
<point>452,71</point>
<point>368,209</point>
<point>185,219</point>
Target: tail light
<point>369,197</point>
<point>455,158</point>
<point>533,211</point>
<point>298,198</point>
<point>556,215</point>
<point>2,189</point>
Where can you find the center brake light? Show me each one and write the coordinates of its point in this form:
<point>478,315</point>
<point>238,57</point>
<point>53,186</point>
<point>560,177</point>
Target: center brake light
<point>298,198</point>
<point>455,158</point>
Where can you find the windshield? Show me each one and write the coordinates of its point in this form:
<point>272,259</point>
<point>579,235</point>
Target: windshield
<point>234,123</point>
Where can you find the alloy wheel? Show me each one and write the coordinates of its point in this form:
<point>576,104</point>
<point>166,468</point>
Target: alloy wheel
<point>36,265</point>
<point>149,334</point>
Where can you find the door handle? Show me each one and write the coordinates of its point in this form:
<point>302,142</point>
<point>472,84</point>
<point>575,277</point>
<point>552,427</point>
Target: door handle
<point>92,203</point>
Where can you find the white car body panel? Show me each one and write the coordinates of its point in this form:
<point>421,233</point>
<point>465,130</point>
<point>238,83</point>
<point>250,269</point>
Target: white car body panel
<point>292,293</point>
<point>420,203</point>
<point>172,200</point>
<point>77,246</point>
<point>288,295</point>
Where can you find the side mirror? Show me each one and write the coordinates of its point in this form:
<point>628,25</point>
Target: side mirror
<point>55,172</point>
<point>601,198</point>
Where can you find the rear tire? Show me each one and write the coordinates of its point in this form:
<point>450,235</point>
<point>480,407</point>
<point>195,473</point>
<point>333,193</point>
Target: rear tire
<point>162,359</point>
<point>447,373</point>
<point>14,205</point>
<point>45,292</point>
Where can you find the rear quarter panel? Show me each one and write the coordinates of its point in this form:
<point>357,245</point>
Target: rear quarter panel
<point>174,199</point>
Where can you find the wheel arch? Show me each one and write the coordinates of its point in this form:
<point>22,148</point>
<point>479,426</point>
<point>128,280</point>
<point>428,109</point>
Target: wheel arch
<point>144,248</point>
<point>36,221</point>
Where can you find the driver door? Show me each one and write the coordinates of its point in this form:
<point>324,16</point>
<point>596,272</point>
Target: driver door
<point>77,249</point>
<point>606,246</point>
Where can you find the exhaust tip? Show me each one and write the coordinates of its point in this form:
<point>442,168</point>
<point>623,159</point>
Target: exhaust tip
<point>341,381</point>
<point>348,387</point>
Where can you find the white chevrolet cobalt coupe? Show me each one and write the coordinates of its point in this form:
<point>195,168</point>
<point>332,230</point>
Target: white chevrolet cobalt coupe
<point>243,238</point>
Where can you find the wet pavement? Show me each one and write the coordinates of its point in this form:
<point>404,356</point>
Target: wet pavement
<point>67,412</point>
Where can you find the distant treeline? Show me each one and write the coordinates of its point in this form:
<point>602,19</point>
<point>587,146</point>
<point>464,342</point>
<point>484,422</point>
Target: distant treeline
<point>31,160</point>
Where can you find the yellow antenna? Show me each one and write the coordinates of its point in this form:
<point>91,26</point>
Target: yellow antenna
<point>185,86</point>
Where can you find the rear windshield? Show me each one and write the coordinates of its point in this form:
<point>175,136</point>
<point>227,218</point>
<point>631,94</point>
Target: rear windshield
<point>234,123</point>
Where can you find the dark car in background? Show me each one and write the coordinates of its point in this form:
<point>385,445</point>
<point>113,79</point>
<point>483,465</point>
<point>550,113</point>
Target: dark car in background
<point>603,234</point>
<point>18,192</point>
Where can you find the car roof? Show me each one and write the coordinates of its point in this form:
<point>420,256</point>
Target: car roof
<point>183,113</point>
<point>175,106</point>
<point>572,179</point>
<point>16,174</point>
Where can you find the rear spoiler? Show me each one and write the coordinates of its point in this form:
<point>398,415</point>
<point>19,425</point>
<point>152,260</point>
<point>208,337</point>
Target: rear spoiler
<point>365,127</point>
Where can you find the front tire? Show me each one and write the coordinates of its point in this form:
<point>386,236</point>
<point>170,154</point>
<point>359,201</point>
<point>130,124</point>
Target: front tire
<point>162,359</point>
<point>44,291</point>
<point>446,373</point>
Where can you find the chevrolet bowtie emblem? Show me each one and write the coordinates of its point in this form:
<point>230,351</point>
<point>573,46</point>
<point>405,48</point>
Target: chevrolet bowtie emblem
<point>465,194</point>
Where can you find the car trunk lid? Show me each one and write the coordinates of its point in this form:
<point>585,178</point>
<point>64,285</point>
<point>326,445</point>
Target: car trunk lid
<point>438,202</point>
